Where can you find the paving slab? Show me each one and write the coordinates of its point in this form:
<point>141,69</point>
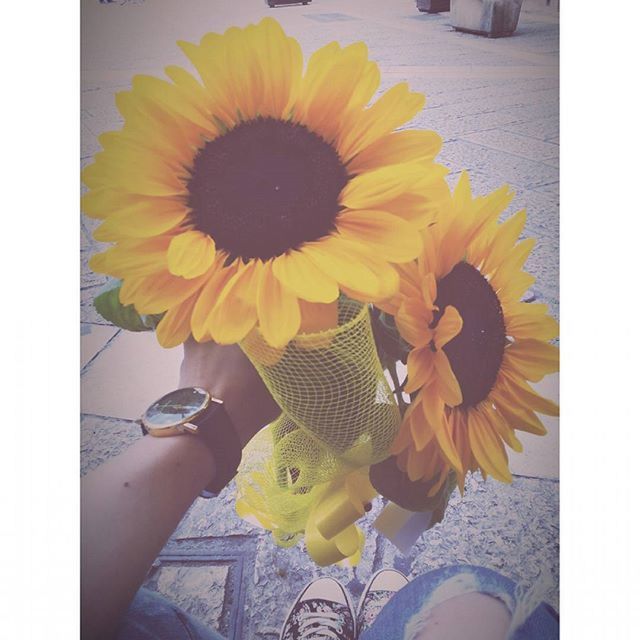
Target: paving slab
<point>94,338</point>
<point>128,376</point>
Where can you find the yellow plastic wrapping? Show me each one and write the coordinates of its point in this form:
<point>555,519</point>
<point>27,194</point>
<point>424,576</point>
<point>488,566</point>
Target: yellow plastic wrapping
<point>307,473</point>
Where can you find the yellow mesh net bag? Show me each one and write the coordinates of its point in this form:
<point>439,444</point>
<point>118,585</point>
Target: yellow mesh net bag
<point>307,473</point>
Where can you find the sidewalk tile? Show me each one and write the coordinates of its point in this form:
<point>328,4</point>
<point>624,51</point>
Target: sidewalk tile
<point>129,375</point>
<point>93,339</point>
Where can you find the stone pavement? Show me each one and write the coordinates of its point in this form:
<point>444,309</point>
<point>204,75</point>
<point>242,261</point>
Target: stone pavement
<point>495,102</point>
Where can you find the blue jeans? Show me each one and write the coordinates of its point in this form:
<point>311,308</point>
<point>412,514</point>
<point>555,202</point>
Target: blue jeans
<point>151,617</point>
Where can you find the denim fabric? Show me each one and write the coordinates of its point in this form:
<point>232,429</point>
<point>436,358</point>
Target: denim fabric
<point>151,617</point>
<point>434,587</point>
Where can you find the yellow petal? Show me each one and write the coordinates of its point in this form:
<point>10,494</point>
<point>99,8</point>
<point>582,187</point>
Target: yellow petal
<point>449,326</point>
<point>207,299</point>
<point>420,369</point>
<point>209,59</point>
<point>328,86</point>
<point>234,315</point>
<point>343,261</point>
<point>396,148</point>
<point>133,258</point>
<point>447,383</point>
<point>532,359</point>
<point>433,408</point>
<point>297,272</point>
<point>421,431</point>
<point>505,238</point>
<point>527,396</point>
<point>191,254</point>
<point>525,320</point>
<point>515,288</point>
<point>278,310</point>
<point>413,320</point>
<point>175,326</point>
<point>520,418</point>
<point>513,263</point>
<point>394,108</point>
<point>372,188</point>
<point>418,209</point>
<point>389,236</point>
<point>168,95</point>
<point>142,219</point>
<point>414,465</point>
<point>501,427</point>
<point>280,58</point>
<point>101,202</point>
<point>157,293</point>
<point>487,448</point>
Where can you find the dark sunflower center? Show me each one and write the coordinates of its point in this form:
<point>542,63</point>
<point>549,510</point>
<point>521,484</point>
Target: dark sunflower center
<point>265,187</point>
<point>476,352</point>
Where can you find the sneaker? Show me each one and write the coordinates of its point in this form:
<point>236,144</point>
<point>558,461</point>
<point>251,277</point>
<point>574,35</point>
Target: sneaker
<point>379,590</point>
<point>322,610</point>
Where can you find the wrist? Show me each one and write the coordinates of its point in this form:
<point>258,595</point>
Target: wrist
<point>227,374</point>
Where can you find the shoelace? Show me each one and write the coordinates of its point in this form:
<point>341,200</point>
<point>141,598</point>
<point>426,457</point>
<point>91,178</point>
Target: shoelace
<point>320,625</point>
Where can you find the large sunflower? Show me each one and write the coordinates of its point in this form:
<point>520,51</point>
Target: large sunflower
<point>237,200</point>
<point>476,345</point>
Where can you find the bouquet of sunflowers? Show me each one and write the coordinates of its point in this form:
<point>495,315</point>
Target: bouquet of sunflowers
<point>282,209</point>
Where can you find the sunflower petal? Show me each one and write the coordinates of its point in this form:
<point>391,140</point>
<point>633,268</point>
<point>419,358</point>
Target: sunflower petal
<point>328,85</point>
<point>297,272</point>
<point>487,448</point>
<point>449,326</point>
<point>532,359</point>
<point>447,383</point>
<point>413,320</point>
<point>278,309</point>
<point>396,148</point>
<point>234,315</point>
<point>420,369</point>
<point>142,219</point>
<point>133,258</point>
<point>504,239</point>
<point>280,58</point>
<point>380,185</point>
<point>159,292</point>
<point>501,427</point>
<point>530,321</point>
<point>191,254</point>
<point>208,298</point>
<point>175,326</point>
<point>521,418</point>
<point>343,261</point>
<point>433,408</point>
<point>527,397</point>
<point>389,236</point>
<point>394,108</point>
<point>421,431</point>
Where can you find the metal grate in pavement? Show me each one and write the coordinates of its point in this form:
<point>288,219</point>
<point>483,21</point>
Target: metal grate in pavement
<point>186,569</point>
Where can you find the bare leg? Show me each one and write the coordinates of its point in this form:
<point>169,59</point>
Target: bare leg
<point>472,615</point>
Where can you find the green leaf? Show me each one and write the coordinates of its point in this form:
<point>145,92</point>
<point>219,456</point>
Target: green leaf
<point>108,305</point>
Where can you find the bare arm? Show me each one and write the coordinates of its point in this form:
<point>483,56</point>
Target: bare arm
<point>133,502</point>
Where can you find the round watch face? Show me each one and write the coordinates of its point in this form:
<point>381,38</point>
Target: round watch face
<point>176,408</point>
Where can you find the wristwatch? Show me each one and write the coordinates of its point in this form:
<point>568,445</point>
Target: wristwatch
<point>194,411</point>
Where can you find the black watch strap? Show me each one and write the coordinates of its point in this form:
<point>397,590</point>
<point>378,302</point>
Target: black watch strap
<point>216,429</point>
